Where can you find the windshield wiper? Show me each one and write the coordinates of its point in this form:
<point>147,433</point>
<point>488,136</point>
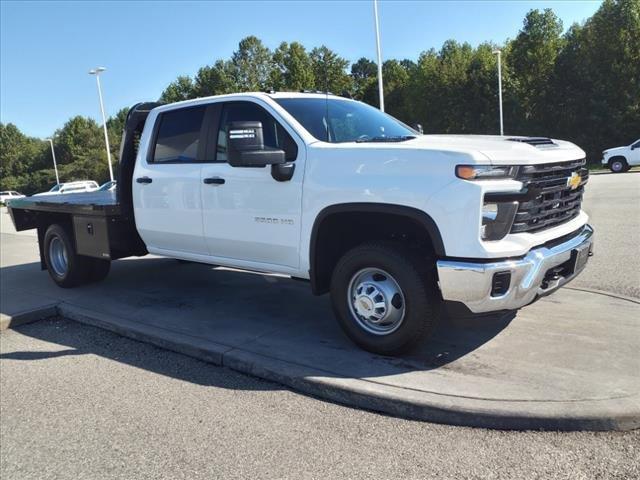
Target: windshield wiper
<point>399,138</point>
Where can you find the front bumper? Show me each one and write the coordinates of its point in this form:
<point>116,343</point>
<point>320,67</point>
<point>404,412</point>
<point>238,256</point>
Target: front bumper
<point>541,271</point>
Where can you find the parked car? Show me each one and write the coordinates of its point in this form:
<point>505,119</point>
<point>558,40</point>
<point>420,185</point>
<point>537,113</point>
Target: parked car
<point>621,159</point>
<point>394,224</point>
<point>71,187</point>
<point>8,195</point>
<point>109,186</point>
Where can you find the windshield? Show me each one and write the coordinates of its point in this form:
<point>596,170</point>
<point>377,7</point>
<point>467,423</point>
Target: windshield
<point>55,188</point>
<point>334,120</point>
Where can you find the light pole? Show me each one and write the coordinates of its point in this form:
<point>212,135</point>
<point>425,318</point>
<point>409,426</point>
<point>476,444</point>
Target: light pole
<point>55,165</point>
<point>499,53</point>
<point>380,89</point>
<point>97,71</point>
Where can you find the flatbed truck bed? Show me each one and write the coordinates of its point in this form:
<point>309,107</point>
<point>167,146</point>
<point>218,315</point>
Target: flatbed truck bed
<point>101,227</point>
<point>99,203</point>
<point>100,223</point>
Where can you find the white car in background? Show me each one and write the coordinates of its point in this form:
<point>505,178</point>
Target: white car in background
<point>621,159</point>
<point>9,195</point>
<point>71,187</point>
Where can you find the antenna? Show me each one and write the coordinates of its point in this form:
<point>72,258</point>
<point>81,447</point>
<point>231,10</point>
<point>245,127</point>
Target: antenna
<point>326,97</point>
<point>380,89</point>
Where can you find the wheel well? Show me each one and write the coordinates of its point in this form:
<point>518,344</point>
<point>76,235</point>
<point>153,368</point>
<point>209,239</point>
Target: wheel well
<point>340,229</point>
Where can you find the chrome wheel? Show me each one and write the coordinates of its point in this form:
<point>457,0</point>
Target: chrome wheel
<point>58,257</point>
<point>376,301</point>
<point>617,166</point>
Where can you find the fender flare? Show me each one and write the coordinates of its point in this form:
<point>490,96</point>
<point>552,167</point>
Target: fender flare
<point>419,216</point>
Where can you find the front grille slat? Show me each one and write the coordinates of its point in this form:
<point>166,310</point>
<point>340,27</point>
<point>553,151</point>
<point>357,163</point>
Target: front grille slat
<point>556,202</point>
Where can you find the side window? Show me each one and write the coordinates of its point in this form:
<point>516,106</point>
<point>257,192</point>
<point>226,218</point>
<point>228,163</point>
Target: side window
<point>178,135</point>
<point>275,136</point>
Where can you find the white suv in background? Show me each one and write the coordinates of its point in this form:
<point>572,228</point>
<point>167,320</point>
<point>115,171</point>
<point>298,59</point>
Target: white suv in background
<point>71,187</point>
<point>8,195</point>
<point>621,159</point>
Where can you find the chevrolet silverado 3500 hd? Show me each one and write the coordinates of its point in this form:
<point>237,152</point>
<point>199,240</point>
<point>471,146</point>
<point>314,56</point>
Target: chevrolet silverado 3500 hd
<point>394,224</point>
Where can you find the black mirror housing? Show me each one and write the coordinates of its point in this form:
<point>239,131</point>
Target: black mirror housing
<point>245,146</point>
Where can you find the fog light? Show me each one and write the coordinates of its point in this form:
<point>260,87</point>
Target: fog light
<point>497,219</point>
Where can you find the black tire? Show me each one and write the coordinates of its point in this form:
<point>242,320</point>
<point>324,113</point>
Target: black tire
<point>413,274</point>
<point>98,269</point>
<point>618,165</point>
<point>75,269</point>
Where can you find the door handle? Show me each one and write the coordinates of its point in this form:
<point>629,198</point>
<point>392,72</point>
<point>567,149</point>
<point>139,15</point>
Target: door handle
<point>214,181</point>
<point>144,180</point>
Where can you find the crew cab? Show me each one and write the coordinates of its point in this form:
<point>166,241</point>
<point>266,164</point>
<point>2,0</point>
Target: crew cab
<point>621,159</point>
<point>394,224</point>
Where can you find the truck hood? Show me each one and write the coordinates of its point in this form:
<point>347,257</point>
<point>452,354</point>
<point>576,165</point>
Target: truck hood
<point>499,150</point>
<point>610,151</point>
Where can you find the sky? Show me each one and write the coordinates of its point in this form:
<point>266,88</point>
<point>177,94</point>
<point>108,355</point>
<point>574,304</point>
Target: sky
<point>47,48</point>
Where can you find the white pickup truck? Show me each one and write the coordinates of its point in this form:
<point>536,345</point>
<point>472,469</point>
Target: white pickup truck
<point>394,224</point>
<point>621,159</point>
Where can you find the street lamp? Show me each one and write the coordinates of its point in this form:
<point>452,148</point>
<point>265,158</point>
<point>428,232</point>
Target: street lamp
<point>380,89</point>
<point>97,71</point>
<point>499,53</point>
<point>55,165</point>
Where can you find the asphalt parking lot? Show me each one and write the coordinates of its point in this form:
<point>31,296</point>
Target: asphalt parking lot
<point>78,402</point>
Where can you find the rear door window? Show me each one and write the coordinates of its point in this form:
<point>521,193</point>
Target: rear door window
<point>178,135</point>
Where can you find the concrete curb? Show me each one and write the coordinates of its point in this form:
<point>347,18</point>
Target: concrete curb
<point>597,415</point>
<point>27,316</point>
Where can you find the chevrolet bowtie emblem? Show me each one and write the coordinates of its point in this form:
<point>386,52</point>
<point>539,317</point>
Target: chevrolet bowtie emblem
<point>574,181</point>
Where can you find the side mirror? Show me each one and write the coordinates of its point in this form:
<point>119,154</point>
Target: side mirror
<point>417,127</point>
<point>245,146</point>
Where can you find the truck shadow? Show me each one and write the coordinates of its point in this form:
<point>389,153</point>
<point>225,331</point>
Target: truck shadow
<point>273,316</point>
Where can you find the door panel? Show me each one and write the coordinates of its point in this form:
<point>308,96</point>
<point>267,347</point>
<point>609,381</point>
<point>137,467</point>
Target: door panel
<point>635,154</point>
<point>166,185</point>
<point>251,216</point>
<point>168,210</point>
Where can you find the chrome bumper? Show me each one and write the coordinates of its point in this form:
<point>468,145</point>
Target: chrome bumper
<point>531,276</point>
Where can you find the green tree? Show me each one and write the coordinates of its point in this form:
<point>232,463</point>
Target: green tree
<point>364,75</point>
<point>329,71</point>
<point>251,65</point>
<point>19,154</point>
<point>214,80</point>
<point>115,127</point>
<point>596,80</point>
<point>180,89</point>
<point>531,59</point>
<point>293,70</point>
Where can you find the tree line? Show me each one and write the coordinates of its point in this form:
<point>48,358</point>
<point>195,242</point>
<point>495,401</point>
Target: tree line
<point>582,85</point>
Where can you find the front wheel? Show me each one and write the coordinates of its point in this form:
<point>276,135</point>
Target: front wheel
<point>618,165</point>
<point>385,298</point>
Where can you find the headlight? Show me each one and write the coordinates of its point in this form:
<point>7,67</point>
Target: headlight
<point>484,172</point>
<point>497,219</point>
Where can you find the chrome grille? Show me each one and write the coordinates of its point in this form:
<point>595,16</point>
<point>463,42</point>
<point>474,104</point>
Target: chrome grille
<point>555,201</point>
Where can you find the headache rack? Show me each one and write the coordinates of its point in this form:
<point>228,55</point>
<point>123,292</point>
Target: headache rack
<point>557,200</point>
